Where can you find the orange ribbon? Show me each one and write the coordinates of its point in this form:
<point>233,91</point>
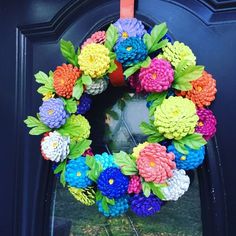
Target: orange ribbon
<point>126,8</point>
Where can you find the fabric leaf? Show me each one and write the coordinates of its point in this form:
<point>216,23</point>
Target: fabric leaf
<point>111,37</point>
<point>68,52</point>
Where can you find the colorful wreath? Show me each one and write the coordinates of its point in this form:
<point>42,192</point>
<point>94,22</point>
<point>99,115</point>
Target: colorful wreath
<point>178,93</point>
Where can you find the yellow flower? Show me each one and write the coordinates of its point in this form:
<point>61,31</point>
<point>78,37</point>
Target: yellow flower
<point>136,150</point>
<point>85,196</point>
<point>48,95</point>
<point>177,52</point>
<point>94,60</point>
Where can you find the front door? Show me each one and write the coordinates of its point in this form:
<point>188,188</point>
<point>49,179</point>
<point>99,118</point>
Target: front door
<point>31,32</point>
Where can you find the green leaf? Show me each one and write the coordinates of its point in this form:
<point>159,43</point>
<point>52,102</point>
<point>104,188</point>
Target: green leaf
<point>70,105</point>
<point>146,62</point>
<point>160,45</point>
<point>124,161</point>
<point>45,89</point>
<point>90,161</point>
<point>114,115</point>
<point>78,148</point>
<point>158,101</point>
<point>110,201</point>
<point>111,37</point>
<point>146,189</point>
<point>147,129</point>
<point>194,141</point>
<point>62,177</point>
<point>112,55</point>
<point>41,77</point>
<point>147,39</point>
<point>77,90</point>
<point>121,104</point>
<point>180,147</point>
<point>183,86</point>
<point>37,126</point>
<point>156,189</point>
<point>113,67</point>
<point>95,167</point>
<point>131,70</point>
<point>105,205</point>
<point>60,167</point>
<point>155,138</point>
<point>68,52</point>
<point>98,195</point>
<point>86,79</point>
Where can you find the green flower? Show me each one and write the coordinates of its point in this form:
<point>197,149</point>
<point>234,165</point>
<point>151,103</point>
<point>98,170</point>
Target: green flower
<point>175,118</point>
<point>84,127</point>
<point>177,52</point>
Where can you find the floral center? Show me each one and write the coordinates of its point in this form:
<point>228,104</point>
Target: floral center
<point>50,112</point>
<point>78,174</point>
<point>125,35</point>
<point>111,181</point>
<point>129,48</point>
<point>54,144</point>
<point>175,112</point>
<point>199,88</point>
<point>154,76</point>
<point>91,59</point>
<point>152,164</point>
<point>183,158</point>
<point>200,123</point>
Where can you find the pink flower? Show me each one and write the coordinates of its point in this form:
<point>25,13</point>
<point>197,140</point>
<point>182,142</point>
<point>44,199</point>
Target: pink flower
<point>135,185</point>
<point>157,77</point>
<point>206,124</point>
<point>97,37</point>
<point>155,164</point>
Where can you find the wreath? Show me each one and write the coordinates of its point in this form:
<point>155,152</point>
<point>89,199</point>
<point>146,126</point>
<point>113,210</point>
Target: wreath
<point>178,93</point>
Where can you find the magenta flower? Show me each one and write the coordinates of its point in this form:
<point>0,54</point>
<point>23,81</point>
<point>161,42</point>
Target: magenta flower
<point>157,77</point>
<point>135,185</point>
<point>206,124</point>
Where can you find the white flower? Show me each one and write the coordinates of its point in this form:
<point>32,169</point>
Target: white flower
<point>176,185</point>
<point>55,147</point>
<point>97,87</point>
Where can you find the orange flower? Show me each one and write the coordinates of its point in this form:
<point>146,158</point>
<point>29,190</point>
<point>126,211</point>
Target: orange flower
<point>203,91</point>
<point>64,79</point>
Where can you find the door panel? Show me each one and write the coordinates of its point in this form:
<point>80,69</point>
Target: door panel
<point>31,30</point>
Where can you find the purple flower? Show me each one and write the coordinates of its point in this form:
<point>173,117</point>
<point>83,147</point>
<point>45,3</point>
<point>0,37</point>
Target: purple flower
<point>206,124</point>
<point>145,206</point>
<point>52,113</point>
<point>84,104</point>
<point>129,28</point>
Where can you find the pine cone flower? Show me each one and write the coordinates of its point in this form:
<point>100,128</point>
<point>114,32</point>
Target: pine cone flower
<point>135,83</point>
<point>76,173</point>
<point>135,185</point>
<point>64,78</point>
<point>52,113</point>
<point>94,60</point>
<point>174,53</point>
<point>176,186</point>
<point>206,124</point>
<point>129,28</point>
<point>112,183</point>
<point>83,123</point>
<point>55,147</point>
<point>106,160</point>
<point>136,150</point>
<point>145,206</point>
<point>97,87</point>
<point>155,164</point>
<point>203,91</point>
<point>98,37</point>
<point>84,104</point>
<point>157,77</point>
<point>131,51</point>
<point>119,208</point>
<point>192,160</point>
<point>176,117</point>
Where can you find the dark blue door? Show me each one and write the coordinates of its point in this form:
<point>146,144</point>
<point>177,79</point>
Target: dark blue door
<point>30,31</point>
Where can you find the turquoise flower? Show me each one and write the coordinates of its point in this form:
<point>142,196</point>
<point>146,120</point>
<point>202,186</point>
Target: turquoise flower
<point>131,51</point>
<point>105,160</point>
<point>76,173</point>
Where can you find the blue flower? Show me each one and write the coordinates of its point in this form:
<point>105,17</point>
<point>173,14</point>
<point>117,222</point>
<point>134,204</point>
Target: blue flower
<point>120,207</point>
<point>145,206</point>
<point>84,104</point>
<point>76,173</point>
<point>131,51</point>
<point>105,160</point>
<point>52,113</point>
<point>112,183</point>
<point>190,161</point>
